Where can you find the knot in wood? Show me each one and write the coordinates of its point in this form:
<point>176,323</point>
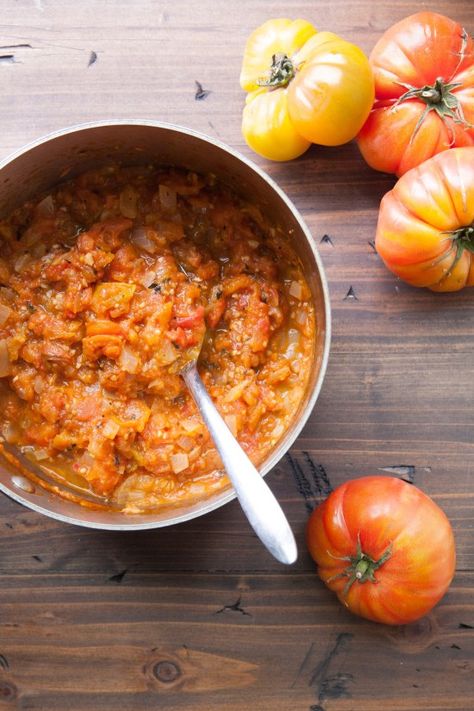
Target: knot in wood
<point>416,636</point>
<point>8,691</point>
<point>166,671</point>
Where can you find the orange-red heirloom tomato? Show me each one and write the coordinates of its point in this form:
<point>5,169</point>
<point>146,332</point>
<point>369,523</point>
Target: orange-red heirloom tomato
<point>424,93</point>
<point>384,547</point>
<point>425,230</point>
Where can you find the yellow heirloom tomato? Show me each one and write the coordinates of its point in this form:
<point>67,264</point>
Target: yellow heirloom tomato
<point>303,87</point>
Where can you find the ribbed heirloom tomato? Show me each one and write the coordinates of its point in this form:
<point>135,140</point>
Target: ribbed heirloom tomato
<point>384,547</point>
<point>424,93</point>
<point>425,230</point>
<point>305,87</point>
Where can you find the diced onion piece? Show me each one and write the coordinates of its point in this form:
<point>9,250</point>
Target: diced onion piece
<point>148,278</point>
<point>156,385</point>
<point>301,318</point>
<point>128,360</point>
<point>295,364</point>
<point>46,206</point>
<point>179,462</point>
<point>5,312</point>
<point>236,391</point>
<point>5,365</point>
<point>293,343</point>
<point>111,395</point>
<point>22,260</point>
<point>294,396</point>
<point>186,443</point>
<point>7,293</point>
<point>142,492</point>
<point>38,384</point>
<point>128,202</point>
<point>168,198</point>
<point>278,431</point>
<point>40,454</point>
<point>296,290</point>
<point>85,462</point>
<point>194,454</point>
<point>190,425</point>
<point>111,429</point>
<point>231,422</point>
<point>10,433</point>
<point>168,353</point>
<point>140,238</point>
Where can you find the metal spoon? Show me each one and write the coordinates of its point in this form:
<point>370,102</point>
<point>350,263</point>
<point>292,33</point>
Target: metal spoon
<point>258,503</point>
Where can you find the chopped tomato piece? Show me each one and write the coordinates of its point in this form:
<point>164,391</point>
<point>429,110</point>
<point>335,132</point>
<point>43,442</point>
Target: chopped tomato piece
<point>103,327</point>
<point>88,408</point>
<point>216,312</point>
<point>93,347</point>
<point>123,263</point>
<point>76,299</point>
<point>50,326</point>
<point>194,319</point>
<point>135,416</point>
<point>112,298</point>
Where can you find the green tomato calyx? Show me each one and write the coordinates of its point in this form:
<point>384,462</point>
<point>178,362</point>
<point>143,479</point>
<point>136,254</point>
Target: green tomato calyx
<point>362,567</point>
<point>464,238</point>
<point>438,98</point>
<point>281,72</point>
<point>461,239</point>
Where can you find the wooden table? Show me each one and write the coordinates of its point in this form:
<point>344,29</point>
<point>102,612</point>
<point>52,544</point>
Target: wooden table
<point>199,616</point>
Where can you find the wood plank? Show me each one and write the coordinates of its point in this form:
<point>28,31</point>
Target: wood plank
<point>223,639</point>
<point>87,617</point>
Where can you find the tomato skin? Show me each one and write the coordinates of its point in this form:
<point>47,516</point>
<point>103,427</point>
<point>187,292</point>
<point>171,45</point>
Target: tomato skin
<point>383,513</point>
<point>419,219</point>
<point>326,100</point>
<point>335,82</point>
<point>267,127</point>
<point>415,52</point>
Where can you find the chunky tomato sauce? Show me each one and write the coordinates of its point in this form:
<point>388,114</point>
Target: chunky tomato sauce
<point>109,285</point>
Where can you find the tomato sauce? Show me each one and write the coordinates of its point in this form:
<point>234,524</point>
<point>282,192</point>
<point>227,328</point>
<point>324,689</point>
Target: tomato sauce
<point>108,286</point>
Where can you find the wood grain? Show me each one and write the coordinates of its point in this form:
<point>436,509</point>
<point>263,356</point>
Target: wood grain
<point>199,616</point>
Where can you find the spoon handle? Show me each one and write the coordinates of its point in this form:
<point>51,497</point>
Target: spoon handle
<point>259,504</point>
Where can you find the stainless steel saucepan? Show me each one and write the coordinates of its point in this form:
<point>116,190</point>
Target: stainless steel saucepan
<point>41,165</point>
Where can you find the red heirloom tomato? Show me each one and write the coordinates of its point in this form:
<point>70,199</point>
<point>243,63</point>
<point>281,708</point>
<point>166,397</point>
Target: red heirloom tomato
<point>384,547</point>
<point>424,93</point>
<point>425,230</point>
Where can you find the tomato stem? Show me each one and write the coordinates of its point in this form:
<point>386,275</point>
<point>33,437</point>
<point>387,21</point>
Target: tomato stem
<point>461,239</point>
<point>464,237</point>
<point>281,72</point>
<point>362,567</point>
<point>439,98</point>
